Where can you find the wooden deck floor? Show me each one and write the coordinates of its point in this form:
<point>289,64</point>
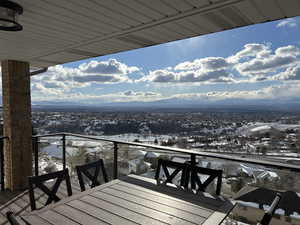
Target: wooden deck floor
<point>18,202</point>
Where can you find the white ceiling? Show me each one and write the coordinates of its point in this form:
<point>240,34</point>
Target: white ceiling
<point>60,31</point>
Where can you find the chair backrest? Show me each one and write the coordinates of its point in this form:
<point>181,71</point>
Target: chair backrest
<point>11,218</point>
<point>171,169</point>
<point>198,185</point>
<point>91,171</point>
<point>38,182</point>
<point>269,214</point>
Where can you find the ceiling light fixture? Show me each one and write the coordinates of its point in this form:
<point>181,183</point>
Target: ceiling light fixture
<point>9,13</point>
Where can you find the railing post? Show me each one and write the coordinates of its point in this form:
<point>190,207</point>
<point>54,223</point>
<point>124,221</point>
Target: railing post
<point>64,151</point>
<point>193,165</point>
<point>115,160</point>
<point>2,164</point>
<point>35,145</point>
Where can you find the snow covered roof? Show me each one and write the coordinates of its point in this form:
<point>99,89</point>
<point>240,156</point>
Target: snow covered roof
<point>152,155</point>
<point>253,128</point>
<point>250,170</point>
<point>264,128</point>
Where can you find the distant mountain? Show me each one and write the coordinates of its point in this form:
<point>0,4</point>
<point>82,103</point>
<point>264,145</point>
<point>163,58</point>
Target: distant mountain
<point>178,105</point>
<point>55,103</point>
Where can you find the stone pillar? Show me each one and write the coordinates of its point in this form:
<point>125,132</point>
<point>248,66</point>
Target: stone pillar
<point>17,123</point>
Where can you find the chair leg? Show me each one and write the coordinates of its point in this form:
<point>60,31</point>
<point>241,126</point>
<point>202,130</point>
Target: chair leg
<point>80,179</point>
<point>219,184</point>
<point>31,196</point>
<point>11,218</point>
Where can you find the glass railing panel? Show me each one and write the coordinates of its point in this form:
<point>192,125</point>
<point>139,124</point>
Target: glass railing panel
<point>82,151</point>
<point>79,151</point>
<point>139,160</point>
<point>50,154</point>
<point>238,179</point>
<point>254,187</point>
<point>237,175</point>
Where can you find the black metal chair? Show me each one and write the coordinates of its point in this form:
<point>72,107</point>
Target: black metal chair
<point>12,218</point>
<point>195,173</point>
<point>269,214</point>
<point>93,177</point>
<point>171,169</point>
<point>38,182</point>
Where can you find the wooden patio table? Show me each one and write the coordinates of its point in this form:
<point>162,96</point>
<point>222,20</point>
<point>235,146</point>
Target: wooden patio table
<point>133,200</point>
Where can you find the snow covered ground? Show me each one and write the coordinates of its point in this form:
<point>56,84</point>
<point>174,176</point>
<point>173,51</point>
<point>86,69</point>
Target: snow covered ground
<point>48,164</point>
<point>253,128</point>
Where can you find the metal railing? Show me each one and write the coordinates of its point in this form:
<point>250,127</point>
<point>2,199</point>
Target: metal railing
<point>191,153</point>
<point>2,138</point>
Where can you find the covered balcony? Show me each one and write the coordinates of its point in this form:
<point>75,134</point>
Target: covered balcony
<point>51,33</point>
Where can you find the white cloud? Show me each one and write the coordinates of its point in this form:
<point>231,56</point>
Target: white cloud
<point>265,65</point>
<point>250,50</point>
<point>208,63</point>
<point>277,92</point>
<point>63,79</point>
<point>126,96</point>
<point>291,73</point>
<point>160,76</point>
<point>96,78</point>
<point>214,63</point>
<point>287,23</point>
<point>111,67</point>
<point>41,89</point>
<point>142,94</point>
<point>167,76</point>
<point>254,63</point>
<point>262,64</point>
<point>288,50</point>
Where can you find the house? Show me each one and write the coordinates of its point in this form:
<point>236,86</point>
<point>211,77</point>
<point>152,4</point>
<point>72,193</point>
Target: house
<point>138,166</point>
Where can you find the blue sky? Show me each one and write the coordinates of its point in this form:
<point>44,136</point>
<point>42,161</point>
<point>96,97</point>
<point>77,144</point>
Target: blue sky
<point>251,63</point>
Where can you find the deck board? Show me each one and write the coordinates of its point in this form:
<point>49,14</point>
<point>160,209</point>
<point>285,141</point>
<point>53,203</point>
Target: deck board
<point>156,199</point>
<point>91,207</point>
<point>77,215</point>
<point>162,205</point>
<point>173,193</point>
<point>38,220</point>
<point>128,215</point>
<point>148,212</point>
<point>133,200</point>
<point>19,203</point>
<point>52,217</point>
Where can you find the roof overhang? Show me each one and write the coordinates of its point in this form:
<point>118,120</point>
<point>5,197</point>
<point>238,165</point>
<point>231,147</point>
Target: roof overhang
<point>62,31</point>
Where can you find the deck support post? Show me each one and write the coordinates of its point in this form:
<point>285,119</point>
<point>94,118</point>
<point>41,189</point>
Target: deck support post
<point>35,145</point>
<point>17,123</point>
<point>115,173</point>
<point>63,139</point>
<point>2,164</point>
